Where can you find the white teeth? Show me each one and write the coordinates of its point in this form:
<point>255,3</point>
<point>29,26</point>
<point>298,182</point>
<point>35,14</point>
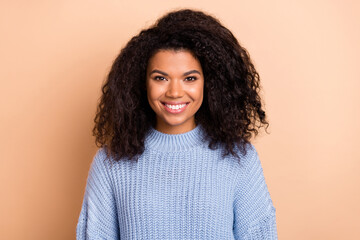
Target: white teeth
<point>175,106</point>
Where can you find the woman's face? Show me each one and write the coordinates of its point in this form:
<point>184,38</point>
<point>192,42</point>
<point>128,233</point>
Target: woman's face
<point>175,86</point>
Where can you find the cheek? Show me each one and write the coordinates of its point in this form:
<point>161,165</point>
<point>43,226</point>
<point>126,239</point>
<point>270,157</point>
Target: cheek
<point>197,92</point>
<point>149,94</point>
<point>150,91</point>
<point>154,91</point>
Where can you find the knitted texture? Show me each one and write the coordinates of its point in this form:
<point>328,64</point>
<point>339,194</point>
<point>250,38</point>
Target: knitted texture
<point>179,189</point>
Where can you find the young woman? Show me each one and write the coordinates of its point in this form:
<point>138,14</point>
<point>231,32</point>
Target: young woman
<point>174,124</point>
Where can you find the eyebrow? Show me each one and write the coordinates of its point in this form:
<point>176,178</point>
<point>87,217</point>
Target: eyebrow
<point>165,74</point>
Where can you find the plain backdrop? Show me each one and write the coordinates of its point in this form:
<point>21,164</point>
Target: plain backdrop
<point>55,55</point>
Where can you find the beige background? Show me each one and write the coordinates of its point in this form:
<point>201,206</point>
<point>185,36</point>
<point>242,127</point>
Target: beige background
<point>54,56</point>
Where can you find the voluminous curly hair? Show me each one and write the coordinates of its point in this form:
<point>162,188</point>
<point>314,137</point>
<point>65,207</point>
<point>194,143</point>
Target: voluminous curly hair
<point>231,111</point>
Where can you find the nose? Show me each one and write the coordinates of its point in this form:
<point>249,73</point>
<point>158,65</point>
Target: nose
<point>175,89</point>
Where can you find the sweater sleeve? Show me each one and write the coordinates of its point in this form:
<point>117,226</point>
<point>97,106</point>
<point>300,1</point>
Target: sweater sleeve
<point>98,216</point>
<point>254,213</point>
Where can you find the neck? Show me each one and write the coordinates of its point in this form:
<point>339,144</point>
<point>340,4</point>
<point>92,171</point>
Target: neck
<point>169,129</point>
<point>175,142</point>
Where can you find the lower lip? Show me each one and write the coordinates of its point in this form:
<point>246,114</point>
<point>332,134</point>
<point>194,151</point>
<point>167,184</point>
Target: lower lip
<point>175,110</point>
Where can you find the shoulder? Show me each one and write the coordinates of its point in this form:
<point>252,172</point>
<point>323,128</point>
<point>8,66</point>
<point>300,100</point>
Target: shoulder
<point>249,161</point>
<point>100,156</point>
<point>101,160</point>
<point>247,154</point>
<point>251,157</point>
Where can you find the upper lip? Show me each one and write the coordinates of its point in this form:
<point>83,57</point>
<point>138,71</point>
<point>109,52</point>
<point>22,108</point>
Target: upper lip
<point>174,103</point>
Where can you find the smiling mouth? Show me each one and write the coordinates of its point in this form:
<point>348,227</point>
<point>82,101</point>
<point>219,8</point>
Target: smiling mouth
<point>175,108</point>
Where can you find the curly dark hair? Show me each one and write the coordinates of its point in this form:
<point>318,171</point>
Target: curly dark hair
<point>231,111</point>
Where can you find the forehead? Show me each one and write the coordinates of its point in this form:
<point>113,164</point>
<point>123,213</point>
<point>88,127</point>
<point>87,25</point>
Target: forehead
<point>173,60</point>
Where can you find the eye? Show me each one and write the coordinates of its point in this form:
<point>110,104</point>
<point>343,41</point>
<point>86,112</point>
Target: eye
<point>159,78</point>
<point>190,79</point>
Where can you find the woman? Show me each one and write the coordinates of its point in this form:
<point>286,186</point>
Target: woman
<point>174,123</point>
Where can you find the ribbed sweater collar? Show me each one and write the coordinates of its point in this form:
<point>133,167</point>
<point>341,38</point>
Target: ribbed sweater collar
<point>174,142</point>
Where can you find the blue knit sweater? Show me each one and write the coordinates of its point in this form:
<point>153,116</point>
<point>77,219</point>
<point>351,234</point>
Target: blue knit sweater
<point>179,189</point>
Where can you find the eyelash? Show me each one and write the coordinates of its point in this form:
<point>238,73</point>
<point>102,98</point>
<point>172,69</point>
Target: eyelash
<point>158,78</point>
<point>192,78</point>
